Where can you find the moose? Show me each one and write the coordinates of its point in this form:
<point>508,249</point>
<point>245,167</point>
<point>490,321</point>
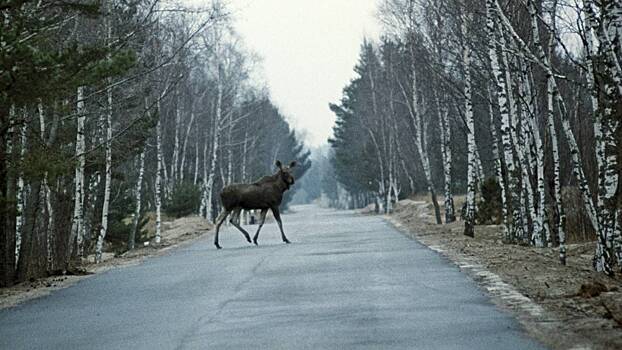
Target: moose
<point>266,193</point>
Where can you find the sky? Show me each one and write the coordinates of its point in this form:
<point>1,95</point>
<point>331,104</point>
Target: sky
<point>308,50</point>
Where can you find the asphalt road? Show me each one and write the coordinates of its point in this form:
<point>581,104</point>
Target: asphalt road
<point>346,282</point>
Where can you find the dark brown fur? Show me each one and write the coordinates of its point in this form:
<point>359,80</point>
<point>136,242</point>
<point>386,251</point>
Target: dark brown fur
<point>266,193</point>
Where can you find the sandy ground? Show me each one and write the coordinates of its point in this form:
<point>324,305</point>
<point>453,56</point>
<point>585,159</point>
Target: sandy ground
<point>566,307</point>
<point>175,233</point>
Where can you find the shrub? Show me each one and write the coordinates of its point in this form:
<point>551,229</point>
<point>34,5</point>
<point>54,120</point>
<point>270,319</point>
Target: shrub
<point>119,223</point>
<point>184,200</point>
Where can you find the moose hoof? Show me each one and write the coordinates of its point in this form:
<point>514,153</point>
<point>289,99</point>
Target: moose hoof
<point>287,241</point>
<point>217,246</point>
<point>255,241</point>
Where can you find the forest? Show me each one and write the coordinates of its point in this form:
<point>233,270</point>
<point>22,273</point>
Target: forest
<point>113,113</point>
<point>514,104</point>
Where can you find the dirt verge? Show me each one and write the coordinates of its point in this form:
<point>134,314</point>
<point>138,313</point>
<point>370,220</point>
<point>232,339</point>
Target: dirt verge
<point>176,233</point>
<point>566,307</point>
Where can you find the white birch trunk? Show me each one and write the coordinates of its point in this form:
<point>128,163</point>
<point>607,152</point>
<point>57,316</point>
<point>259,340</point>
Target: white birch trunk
<point>196,161</point>
<point>600,49</point>
<point>244,176</point>
<point>415,115</point>
<point>520,194</point>
<point>609,17</point>
<point>244,155</point>
<point>47,195</point>
<point>138,195</point>
<point>469,220</point>
<point>524,138</point>
<point>230,177</point>
<point>19,219</point>
<point>499,170</point>
<point>557,189</point>
<point>175,159</point>
<point>515,229</point>
<point>445,131</point>
<point>541,230</point>
<point>203,206</point>
<point>158,179</point>
<point>208,189</point>
<point>77,224</point>
<point>543,61</point>
<point>601,260</point>
<point>107,181</point>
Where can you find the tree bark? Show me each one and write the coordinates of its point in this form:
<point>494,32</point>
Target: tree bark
<point>469,219</point>
<point>77,226</point>
<point>516,229</point>
<point>138,194</point>
<point>158,179</point>
<point>107,181</point>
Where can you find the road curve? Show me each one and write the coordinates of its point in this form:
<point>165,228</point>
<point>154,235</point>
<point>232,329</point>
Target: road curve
<point>346,282</point>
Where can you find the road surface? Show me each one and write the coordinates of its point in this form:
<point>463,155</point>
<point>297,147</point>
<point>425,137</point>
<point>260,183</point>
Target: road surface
<point>346,282</point>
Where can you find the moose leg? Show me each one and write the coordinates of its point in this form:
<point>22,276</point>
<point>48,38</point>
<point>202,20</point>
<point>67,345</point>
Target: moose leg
<point>277,216</point>
<point>262,219</point>
<point>235,220</point>
<point>221,218</point>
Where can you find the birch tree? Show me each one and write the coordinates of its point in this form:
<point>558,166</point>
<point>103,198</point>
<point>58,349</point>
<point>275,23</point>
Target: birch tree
<point>469,219</point>
<point>77,225</point>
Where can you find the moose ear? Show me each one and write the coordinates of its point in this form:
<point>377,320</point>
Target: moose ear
<point>278,164</point>
<point>292,164</point>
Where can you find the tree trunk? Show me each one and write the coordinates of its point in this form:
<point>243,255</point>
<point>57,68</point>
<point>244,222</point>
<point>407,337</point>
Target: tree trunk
<point>138,194</point>
<point>77,226</point>
<point>543,61</point>
<point>445,131</point>
<point>557,188</point>
<point>7,218</point>
<point>196,161</point>
<point>107,181</point>
<point>541,235</point>
<point>175,159</point>
<point>415,115</point>
<point>184,146</point>
<point>208,189</point>
<point>524,139</point>
<point>20,199</point>
<point>515,229</point>
<point>603,66</point>
<point>47,196</point>
<point>158,179</point>
<point>469,219</point>
<point>203,206</point>
<point>230,176</point>
<point>499,169</point>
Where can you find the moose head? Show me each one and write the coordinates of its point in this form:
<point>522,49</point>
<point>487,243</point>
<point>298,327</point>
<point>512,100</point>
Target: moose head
<point>285,172</point>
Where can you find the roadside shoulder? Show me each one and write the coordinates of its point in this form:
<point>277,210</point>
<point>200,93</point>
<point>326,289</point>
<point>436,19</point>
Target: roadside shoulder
<point>546,324</point>
<point>181,233</point>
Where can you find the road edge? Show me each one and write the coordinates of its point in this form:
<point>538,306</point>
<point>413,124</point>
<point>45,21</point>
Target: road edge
<point>23,294</point>
<point>537,322</point>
